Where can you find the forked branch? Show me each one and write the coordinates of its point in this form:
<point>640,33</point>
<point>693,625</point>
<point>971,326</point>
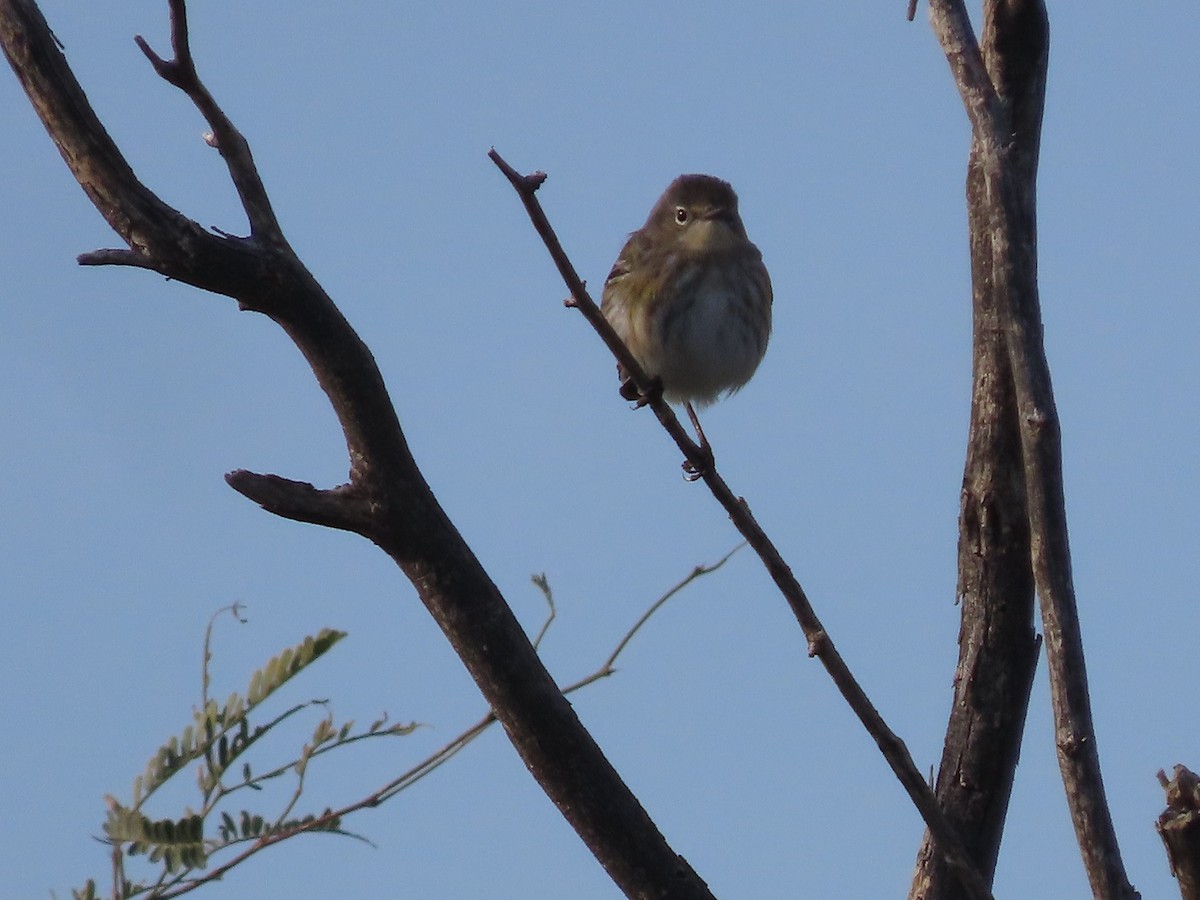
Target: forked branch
<point>181,72</point>
<point>1002,86</point>
<point>387,499</point>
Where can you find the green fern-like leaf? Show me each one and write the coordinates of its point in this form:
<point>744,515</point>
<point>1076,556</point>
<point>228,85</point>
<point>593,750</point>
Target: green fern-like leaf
<point>177,843</point>
<point>290,663</point>
<point>125,825</point>
<point>252,825</point>
<point>172,756</point>
<point>323,822</point>
<point>217,737</point>
<point>227,828</point>
<point>235,708</point>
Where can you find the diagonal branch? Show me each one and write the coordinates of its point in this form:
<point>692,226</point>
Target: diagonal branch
<point>820,644</point>
<point>1003,88</point>
<point>392,504</point>
<point>526,187</point>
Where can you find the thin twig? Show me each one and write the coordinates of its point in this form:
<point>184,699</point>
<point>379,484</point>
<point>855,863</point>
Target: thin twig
<point>608,666</point>
<point>606,669</point>
<point>452,748</point>
<point>526,187</point>
<point>543,584</point>
<point>235,610</point>
<point>819,642</point>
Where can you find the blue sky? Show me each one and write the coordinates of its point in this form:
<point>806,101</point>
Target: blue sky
<point>126,398</point>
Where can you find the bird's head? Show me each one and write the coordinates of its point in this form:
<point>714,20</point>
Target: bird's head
<point>700,213</point>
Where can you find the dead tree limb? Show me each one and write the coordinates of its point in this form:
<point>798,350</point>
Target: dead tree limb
<point>1002,86</point>
<point>1179,828</point>
<point>386,499</point>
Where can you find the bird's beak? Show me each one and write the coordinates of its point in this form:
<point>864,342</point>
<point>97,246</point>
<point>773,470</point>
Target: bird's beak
<point>715,228</point>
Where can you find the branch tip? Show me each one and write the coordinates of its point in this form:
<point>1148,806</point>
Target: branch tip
<point>180,71</point>
<point>157,61</point>
<point>341,507</point>
<point>526,185</point>
<point>116,256</point>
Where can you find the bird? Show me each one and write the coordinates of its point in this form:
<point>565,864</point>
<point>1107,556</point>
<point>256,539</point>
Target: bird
<point>691,298</point>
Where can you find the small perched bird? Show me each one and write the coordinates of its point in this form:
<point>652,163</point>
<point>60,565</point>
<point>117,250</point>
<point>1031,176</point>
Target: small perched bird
<point>690,297</point>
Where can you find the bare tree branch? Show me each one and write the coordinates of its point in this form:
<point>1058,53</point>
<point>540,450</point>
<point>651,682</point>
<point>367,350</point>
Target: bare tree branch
<point>1003,87</point>
<point>264,275</point>
<point>117,256</point>
<point>344,507</point>
<point>819,643</point>
<point>997,644</point>
<point>181,72</point>
<point>998,648</point>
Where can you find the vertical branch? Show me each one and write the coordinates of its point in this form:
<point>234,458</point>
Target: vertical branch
<point>997,645</point>
<point>1003,88</point>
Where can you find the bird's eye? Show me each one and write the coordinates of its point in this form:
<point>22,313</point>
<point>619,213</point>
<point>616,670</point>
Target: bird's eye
<point>682,215</point>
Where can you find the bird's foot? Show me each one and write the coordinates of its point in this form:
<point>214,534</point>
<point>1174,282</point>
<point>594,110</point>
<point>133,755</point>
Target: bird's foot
<point>694,470</point>
<point>629,391</point>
